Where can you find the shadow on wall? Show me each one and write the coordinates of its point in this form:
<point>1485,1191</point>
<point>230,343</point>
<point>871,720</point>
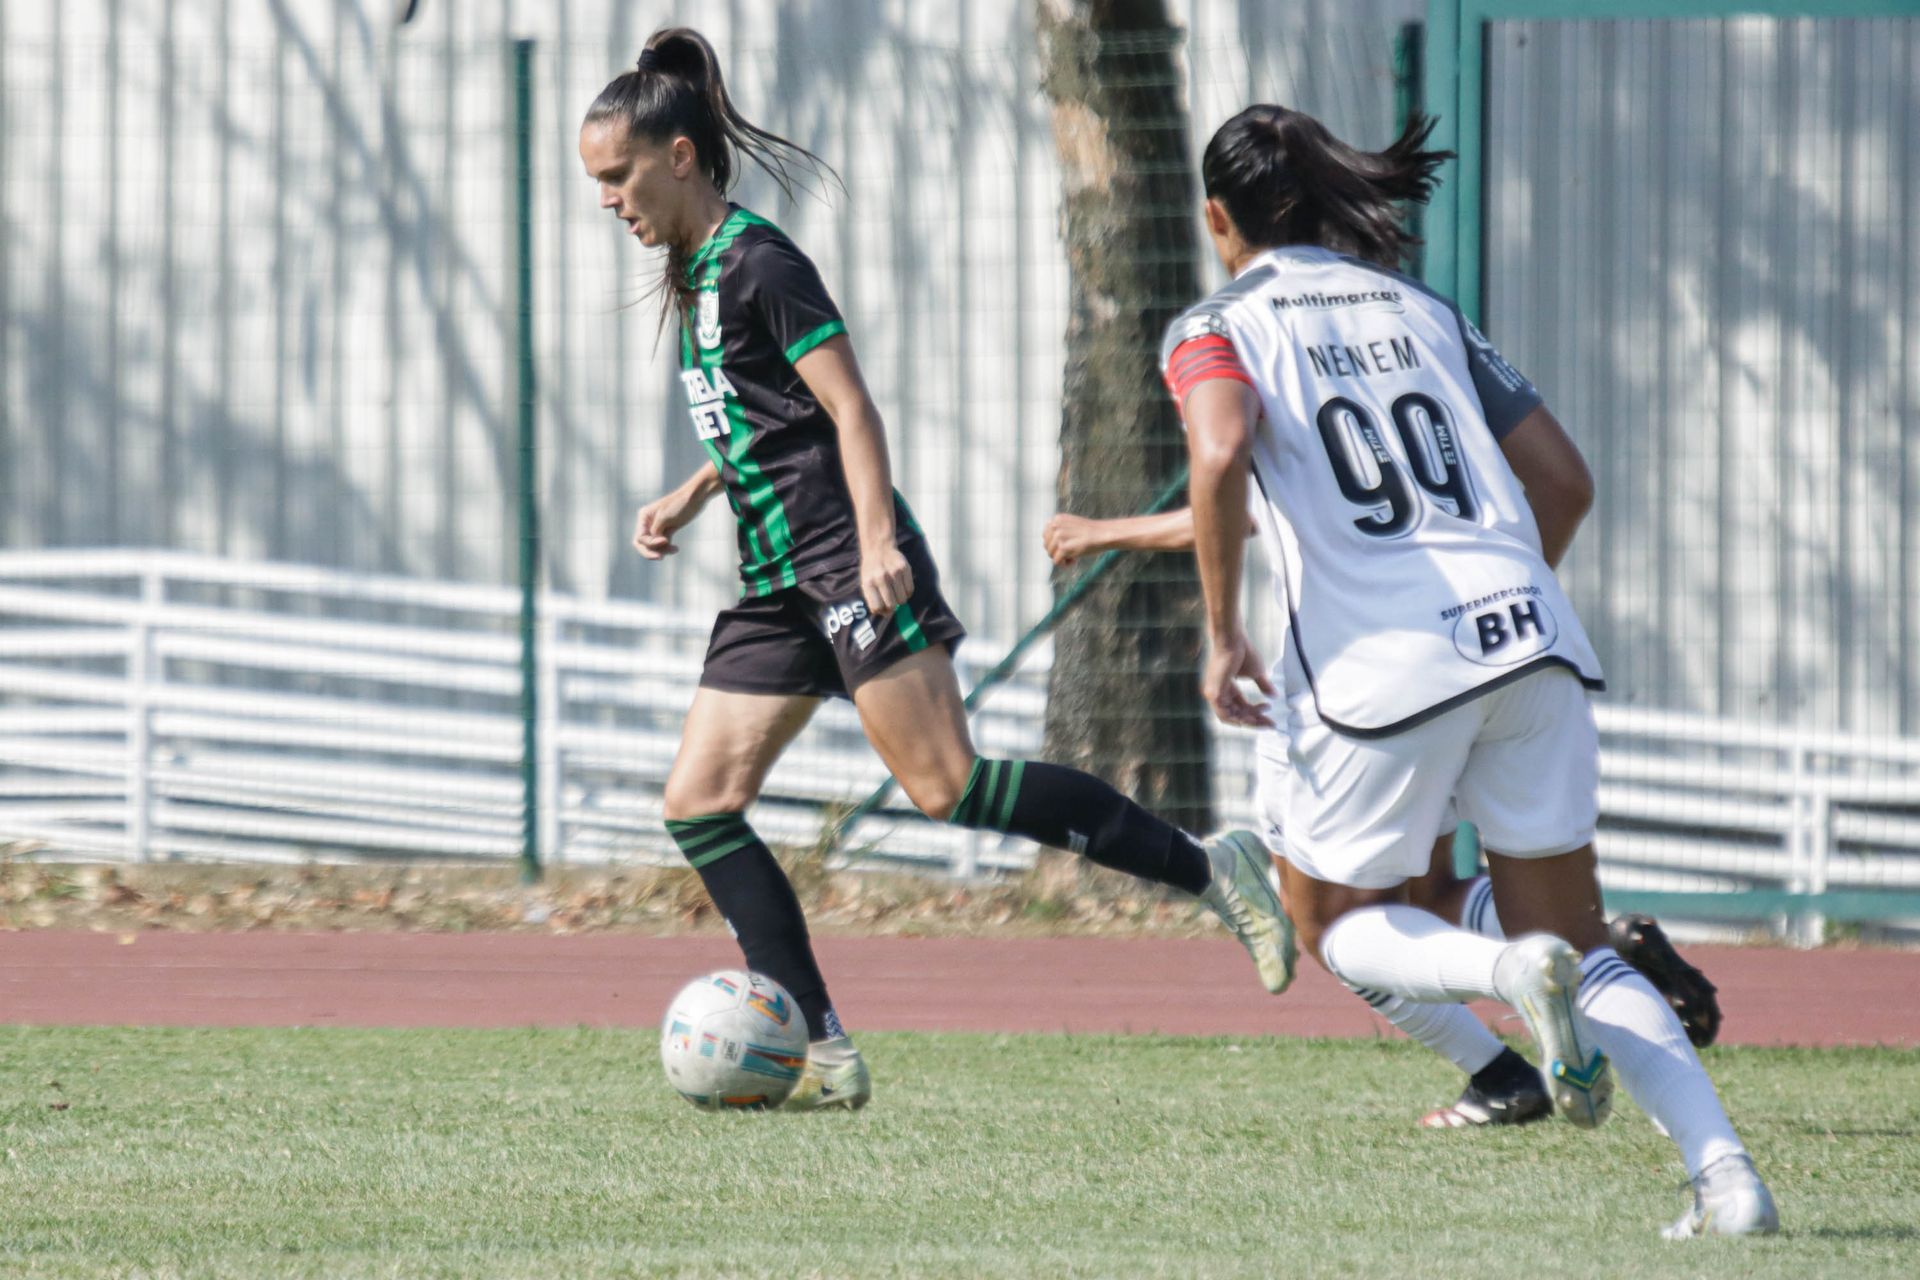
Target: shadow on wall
<point>217,433</point>
<point>1699,220</point>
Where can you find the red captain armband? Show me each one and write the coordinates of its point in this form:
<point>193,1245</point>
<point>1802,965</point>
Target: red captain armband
<point>1202,359</point>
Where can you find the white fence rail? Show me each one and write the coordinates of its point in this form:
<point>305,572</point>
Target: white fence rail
<point>157,705</point>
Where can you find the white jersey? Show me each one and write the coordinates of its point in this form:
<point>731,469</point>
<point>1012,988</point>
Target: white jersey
<point>1405,554</point>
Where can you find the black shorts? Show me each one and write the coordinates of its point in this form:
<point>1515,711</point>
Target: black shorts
<point>817,639</point>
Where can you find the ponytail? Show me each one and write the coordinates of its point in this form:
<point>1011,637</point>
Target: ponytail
<point>676,90</point>
<point>1284,179</point>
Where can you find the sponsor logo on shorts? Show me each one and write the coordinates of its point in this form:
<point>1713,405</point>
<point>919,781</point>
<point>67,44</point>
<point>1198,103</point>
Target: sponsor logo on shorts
<point>853,614</point>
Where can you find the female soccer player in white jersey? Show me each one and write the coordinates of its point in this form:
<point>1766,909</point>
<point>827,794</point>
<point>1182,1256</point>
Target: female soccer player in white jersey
<point>1502,1088</point>
<point>839,593</point>
<point>1413,493</point>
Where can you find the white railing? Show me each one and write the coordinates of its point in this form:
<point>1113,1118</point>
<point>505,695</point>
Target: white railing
<point>160,705</point>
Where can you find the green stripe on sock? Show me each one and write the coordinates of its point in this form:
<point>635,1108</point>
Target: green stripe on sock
<point>701,841</point>
<point>962,815</point>
<point>909,629</point>
<point>987,794</point>
<point>714,855</point>
<point>1013,792</point>
<point>711,837</point>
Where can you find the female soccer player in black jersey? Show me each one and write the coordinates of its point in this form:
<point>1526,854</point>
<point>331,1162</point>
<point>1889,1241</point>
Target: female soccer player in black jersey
<point>839,593</point>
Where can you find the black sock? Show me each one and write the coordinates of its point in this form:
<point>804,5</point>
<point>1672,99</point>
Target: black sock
<point>757,900</point>
<point>1504,1072</point>
<point>1072,810</point>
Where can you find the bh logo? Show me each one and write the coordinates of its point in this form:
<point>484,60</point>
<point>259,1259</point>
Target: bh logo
<point>839,617</point>
<point>1506,635</point>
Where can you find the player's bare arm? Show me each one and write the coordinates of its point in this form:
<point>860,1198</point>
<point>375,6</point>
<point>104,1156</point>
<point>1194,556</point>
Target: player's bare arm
<point>1558,485</point>
<point>833,375</point>
<point>1069,537</point>
<point>1220,415</point>
<point>659,520</point>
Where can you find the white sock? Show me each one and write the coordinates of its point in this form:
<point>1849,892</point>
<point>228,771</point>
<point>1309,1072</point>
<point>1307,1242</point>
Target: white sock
<point>1633,1026</point>
<point>1477,914</point>
<point>1450,1030</point>
<point>1407,952</point>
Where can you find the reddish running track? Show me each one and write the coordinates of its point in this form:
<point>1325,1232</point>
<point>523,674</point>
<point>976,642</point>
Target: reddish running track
<point>1173,986</point>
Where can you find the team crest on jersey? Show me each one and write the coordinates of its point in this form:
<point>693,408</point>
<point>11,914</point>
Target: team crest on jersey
<point>707,319</point>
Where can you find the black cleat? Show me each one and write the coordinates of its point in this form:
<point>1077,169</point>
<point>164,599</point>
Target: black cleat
<point>1507,1091</point>
<point>1643,944</point>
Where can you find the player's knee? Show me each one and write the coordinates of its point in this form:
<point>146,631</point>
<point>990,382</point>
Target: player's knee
<point>683,799</point>
<point>937,797</point>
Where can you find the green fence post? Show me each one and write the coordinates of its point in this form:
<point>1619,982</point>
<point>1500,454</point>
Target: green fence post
<point>1409,97</point>
<point>527,479</point>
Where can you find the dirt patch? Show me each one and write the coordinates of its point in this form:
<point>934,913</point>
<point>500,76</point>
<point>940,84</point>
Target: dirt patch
<point>1058,897</point>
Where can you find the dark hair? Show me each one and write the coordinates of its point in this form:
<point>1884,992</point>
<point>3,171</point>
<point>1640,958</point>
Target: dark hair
<point>676,90</point>
<point>1285,180</point>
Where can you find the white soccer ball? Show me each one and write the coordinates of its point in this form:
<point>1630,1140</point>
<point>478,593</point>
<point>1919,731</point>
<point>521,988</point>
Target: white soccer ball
<point>733,1040</point>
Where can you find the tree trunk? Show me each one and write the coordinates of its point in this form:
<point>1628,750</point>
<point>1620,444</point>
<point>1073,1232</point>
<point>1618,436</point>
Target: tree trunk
<point>1124,698</point>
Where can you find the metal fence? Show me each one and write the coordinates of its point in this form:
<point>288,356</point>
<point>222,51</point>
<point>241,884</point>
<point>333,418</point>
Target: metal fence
<point>258,399</point>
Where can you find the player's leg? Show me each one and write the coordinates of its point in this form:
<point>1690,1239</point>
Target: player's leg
<point>1531,785</point>
<point>1360,822</point>
<point>915,718</point>
<point>1438,889</point>
<point>1638,939</point>
<point>729,742</point>
<point>1502,1087</point>
<point>765,674</point>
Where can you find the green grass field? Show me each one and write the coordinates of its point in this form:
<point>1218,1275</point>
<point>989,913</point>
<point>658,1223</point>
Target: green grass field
<point>563,1153</point>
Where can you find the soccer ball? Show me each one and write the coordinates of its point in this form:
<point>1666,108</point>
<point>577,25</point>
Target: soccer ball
<point>733,1040</point>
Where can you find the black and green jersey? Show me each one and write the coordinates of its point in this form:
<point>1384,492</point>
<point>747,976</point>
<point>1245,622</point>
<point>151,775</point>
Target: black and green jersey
<point>759,305</point>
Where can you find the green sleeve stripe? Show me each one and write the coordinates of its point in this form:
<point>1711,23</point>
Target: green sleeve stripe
<point>831,329</point>
<point>1013,793</point>
<point>909,629</point>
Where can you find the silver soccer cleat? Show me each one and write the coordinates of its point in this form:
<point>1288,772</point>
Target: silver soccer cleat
<point>835,1080</point>
<point>1728,1200</point>
<point>1539,975</point>
<point>1242,896</point>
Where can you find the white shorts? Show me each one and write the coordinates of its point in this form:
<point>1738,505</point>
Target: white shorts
<point>1522,762</point>
<point>1271,770</point>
